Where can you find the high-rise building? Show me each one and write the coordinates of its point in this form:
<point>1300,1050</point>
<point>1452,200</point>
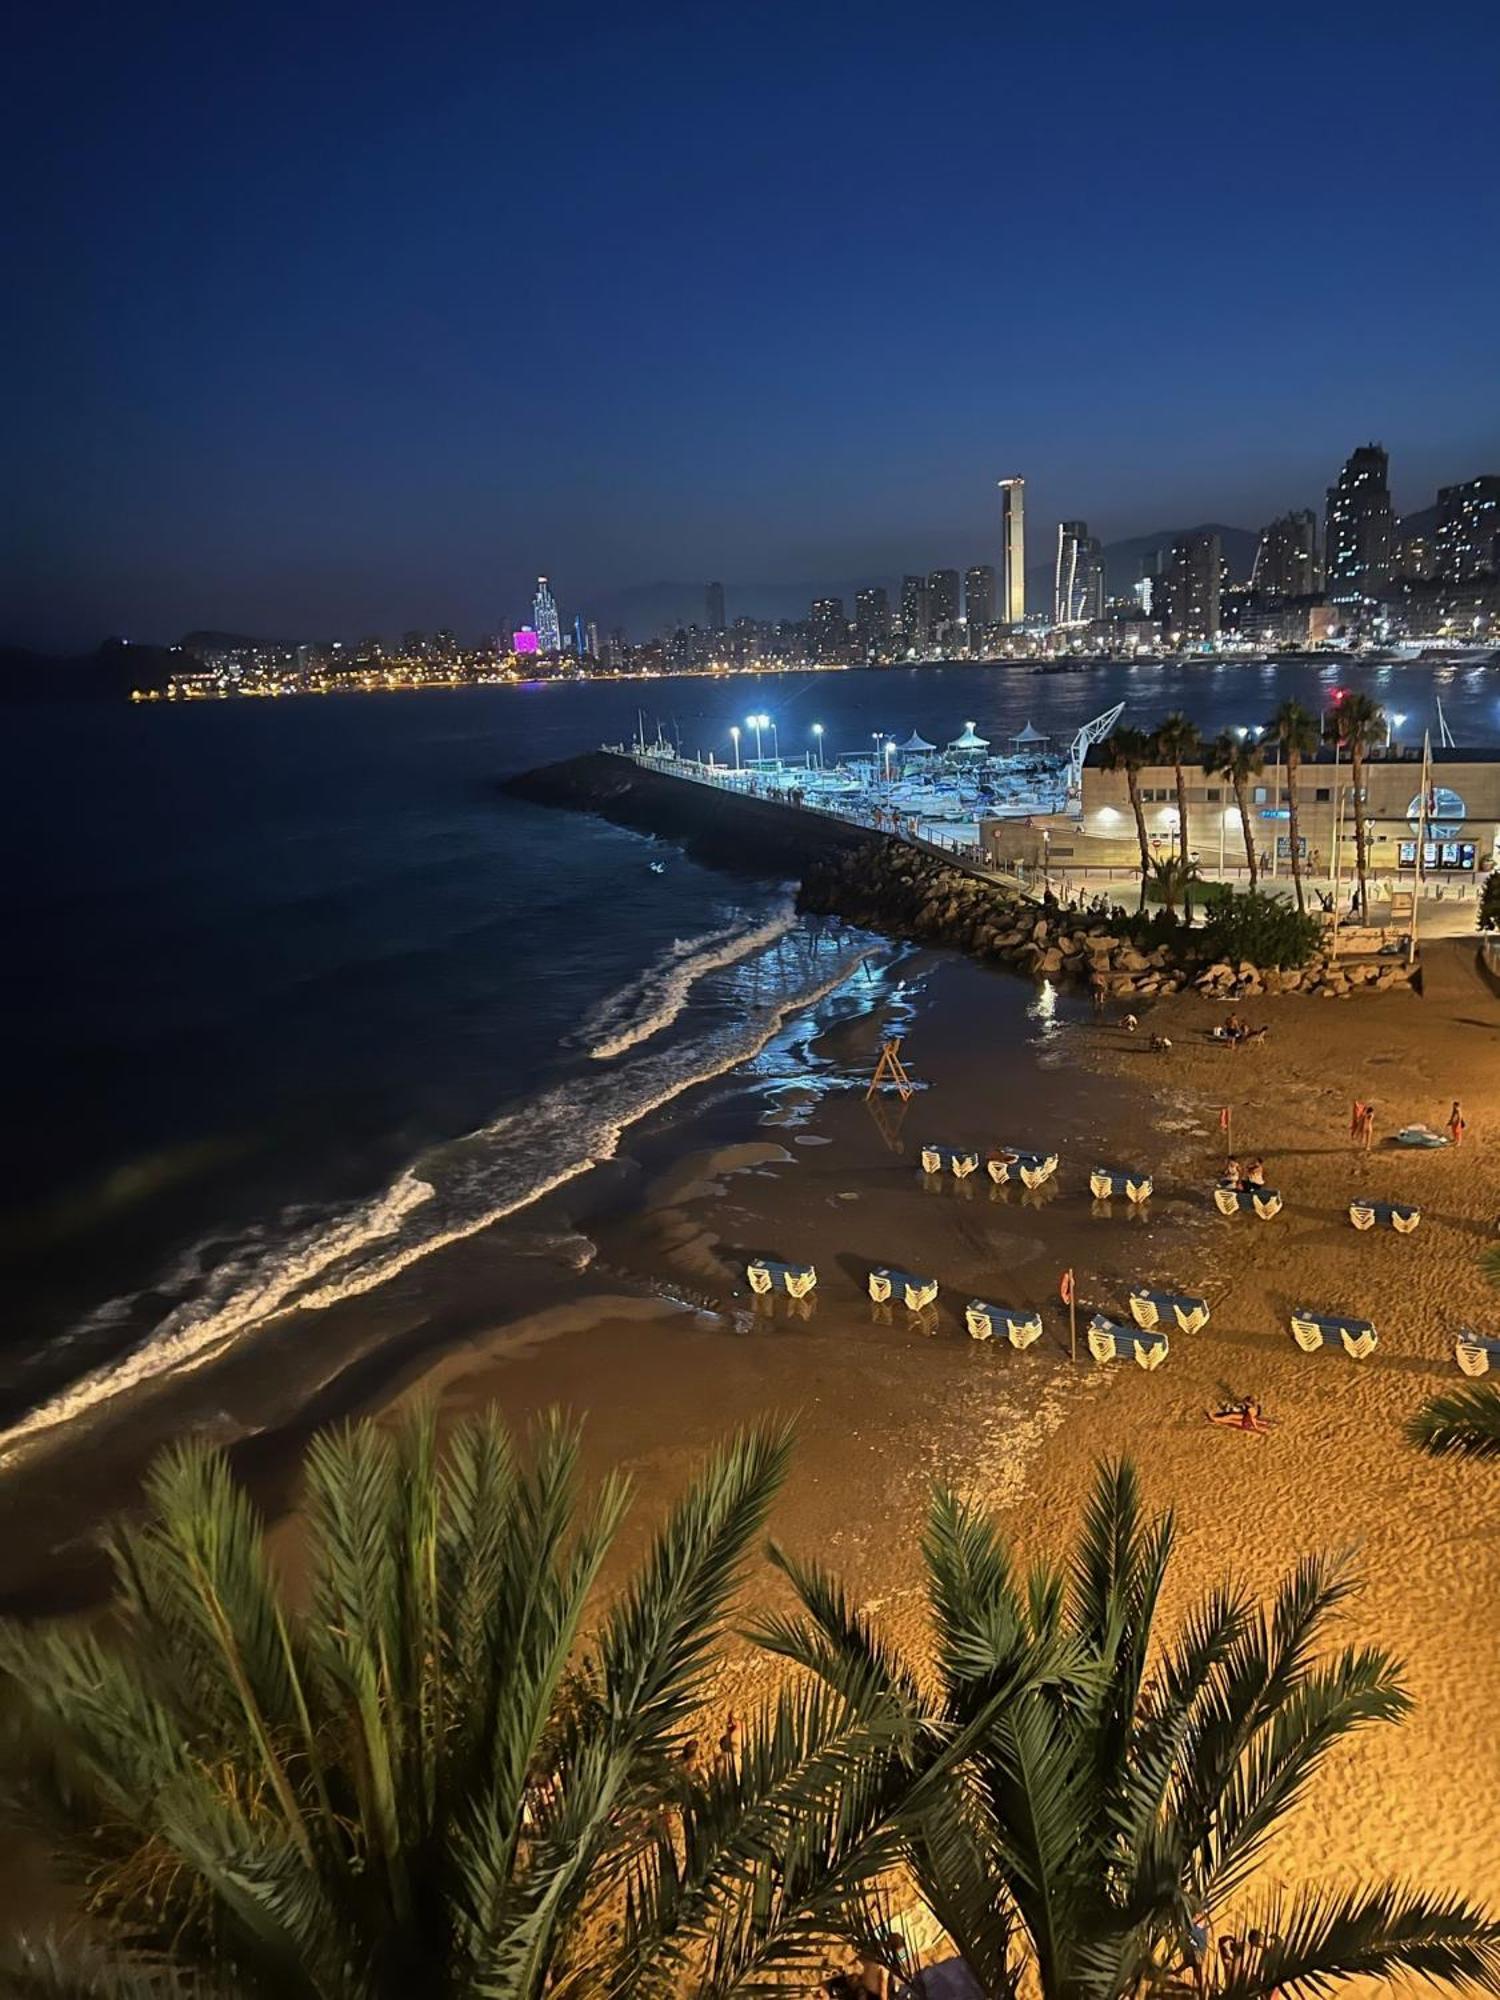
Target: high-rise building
<point>1013,550</point>
<point>545,619</point>
<point>1359,544</point>
<point>1287,562</point>
<point>914,625</point>
<point>872,618</point>
<point>1078,586</point>
<point>979,597</point>
<point>713,598</point>
<point>943,601</point>
<point>591,640</point>
<point>1468,530</point>
<point>1193,582</point>
<point>830,629</point>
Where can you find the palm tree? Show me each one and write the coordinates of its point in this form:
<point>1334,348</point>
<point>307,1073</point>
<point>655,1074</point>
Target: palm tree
<point>1297,733</point>
<point>1465,1422</point>
<point>1179,744</point>
<point>1130,751</point>
<point>1229,756</point>
<point>1174,878</point>
<point>417,1784</point>
<point>1123,1793</point>
<point>1359,724</point>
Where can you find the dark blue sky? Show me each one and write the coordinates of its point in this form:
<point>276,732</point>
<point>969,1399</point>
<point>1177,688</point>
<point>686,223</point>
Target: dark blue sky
<point>341,319</point>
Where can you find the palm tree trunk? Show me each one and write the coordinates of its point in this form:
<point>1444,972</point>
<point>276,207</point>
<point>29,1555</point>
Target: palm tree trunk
<point>1293,766</point>
<point>1132,781</point>
<point>1182,823</point>
<point>1244,805</point>
<point>1357,761</point>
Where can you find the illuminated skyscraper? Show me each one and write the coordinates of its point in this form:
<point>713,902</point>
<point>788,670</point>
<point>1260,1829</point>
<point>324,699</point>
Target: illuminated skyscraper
<point>942,601</point>
<point>1013,550</point>
<point>914,611</point>
<point>872,618</point>
<point>979,597</point>
<point>545,619</point>
<point>713,598</point>
<point>830,629</point>
<point>1286,563</point>
<point>1360,543</point>
<point>1468,530</point>
<point>1193,583</point>
<point>1078,588</point>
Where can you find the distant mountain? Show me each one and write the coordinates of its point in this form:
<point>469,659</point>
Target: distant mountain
<point>109,673</point>
<point>1122,560</point>
<point>227,642</point>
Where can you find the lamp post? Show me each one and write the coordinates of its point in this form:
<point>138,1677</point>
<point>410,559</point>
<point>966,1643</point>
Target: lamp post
<point>889,750</point>
<point>754,722</point>
<point>818,737</point>
<point>736,735</point>
<point>769,722</point>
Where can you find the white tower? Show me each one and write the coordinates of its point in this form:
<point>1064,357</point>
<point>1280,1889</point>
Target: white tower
<point>1013,525</point>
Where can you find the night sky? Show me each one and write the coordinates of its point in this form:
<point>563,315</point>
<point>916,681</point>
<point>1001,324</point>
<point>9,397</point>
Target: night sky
<point>334,320</point>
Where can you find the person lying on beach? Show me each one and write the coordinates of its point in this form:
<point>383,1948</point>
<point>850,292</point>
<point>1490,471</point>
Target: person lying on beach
<point>1129,1023</point>
<point>1161,1044</point>
<point>1245,1415</point>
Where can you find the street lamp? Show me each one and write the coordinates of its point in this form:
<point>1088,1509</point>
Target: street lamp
<point>1392,726</point>
<point>818,734</point>
<point>769,722</point>
<point>736,735</point>
<point>754,722</point>
<point>889,752</point>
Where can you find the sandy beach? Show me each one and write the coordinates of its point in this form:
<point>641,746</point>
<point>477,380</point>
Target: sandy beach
<point>655,1339</point>
<point>888,1401</point>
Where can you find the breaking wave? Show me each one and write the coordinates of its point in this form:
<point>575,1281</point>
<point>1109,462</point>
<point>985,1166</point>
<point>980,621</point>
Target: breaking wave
<point>653,1002</point>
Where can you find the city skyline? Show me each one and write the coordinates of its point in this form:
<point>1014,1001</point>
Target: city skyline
<point>361,337</point>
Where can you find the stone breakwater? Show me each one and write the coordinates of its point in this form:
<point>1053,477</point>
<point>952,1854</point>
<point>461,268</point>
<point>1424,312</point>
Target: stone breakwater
<point>886,885</point>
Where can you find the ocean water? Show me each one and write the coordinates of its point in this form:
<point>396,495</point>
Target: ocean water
<point>296,996</point>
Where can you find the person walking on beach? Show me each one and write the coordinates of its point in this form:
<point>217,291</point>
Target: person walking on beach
<point>1367,1127</point>
<point>1457,1123</point>
<point>1357,1119</point>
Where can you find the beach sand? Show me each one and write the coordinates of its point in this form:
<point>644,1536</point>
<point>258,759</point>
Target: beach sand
<point>661,1348</point>
<point>887,1402</point>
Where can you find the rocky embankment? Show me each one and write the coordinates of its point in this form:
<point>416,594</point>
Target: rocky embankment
<point>886,885</point>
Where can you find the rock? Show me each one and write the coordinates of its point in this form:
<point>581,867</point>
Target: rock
<point>1050,963</point>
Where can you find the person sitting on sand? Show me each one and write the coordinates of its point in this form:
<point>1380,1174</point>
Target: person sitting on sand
<point>1255,1174</point>
<point>1232,1175</point>
<point>1234,1028</point>
<point>1161,1045</point>
<point>1129,1023</point>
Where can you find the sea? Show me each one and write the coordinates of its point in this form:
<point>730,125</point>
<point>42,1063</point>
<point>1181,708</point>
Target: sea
<point>297,997</point>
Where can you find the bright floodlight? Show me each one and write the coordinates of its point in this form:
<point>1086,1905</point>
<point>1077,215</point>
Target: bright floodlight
<point>1398,720</point>
<point>817,729</point>
<point>889,748</point>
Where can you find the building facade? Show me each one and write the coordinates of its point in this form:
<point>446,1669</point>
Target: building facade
<point>830,629</point>
<point>1467,541</point>
<point>1078,581</point>
<point>545,619</point>
<point>1192,587</point>
<point>713,603</point>
<point>1013,551</point>
<point>1360,532</point>
<point>872,619</point>
<point>914,612</point>
<point>980,586</point>
<point>1459,822</point>
<point>1288,562</point>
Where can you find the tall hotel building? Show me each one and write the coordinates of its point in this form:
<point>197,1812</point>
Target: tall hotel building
<point>1013,550</point>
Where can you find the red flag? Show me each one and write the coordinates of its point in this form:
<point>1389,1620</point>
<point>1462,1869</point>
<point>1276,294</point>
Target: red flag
<point>1065,1288</point>
<point>1224,1119</point>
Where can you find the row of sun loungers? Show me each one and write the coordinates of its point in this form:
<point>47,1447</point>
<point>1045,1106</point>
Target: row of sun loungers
<point>1030,1169</point>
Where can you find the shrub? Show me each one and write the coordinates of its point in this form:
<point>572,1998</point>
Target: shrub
<point>1489,903</point>
<point>1263,929</point>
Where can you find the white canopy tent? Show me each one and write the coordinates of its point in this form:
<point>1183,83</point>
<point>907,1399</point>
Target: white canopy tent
<point>915,746</point>
<point>971,744</point>
<point>1029,738</point>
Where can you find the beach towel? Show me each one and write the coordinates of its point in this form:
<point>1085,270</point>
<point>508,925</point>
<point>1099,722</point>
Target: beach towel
<point>985,1321</point>
<point>1185,1310</point>
<point>1105,1182</point>
<point>1311,1331</point>
<point>1420,1135</point>
<point>766,1275</point>
<point>1111,1342</point>
<point>916,1292</point>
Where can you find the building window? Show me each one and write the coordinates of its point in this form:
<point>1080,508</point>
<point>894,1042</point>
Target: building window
<point>1214,794</point>
<point>1261,794</point>
<point>1323,794</point>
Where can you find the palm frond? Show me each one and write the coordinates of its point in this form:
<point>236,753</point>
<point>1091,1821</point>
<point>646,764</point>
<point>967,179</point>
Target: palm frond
<point>1464,1422</point>
<point>836,1642</point>
<point>1318,1939</point>
<point>48,1969</point>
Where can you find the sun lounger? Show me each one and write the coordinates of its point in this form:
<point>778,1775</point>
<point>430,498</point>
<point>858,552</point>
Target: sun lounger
<point>1262,1201</point>
<point>1312,1330</point>
<point>916,1292</point>
<point>1105,1182</point>
<point>1401,1216</point>
<point>1476,1353</point>
<point>1184,1310</point>
<point>948,1159</point>
<point>1111,1342</point>
<point>1420,1135</point>
<point>986,1321</point>
<point>1030,1169</point>
<point>766,1275</point>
